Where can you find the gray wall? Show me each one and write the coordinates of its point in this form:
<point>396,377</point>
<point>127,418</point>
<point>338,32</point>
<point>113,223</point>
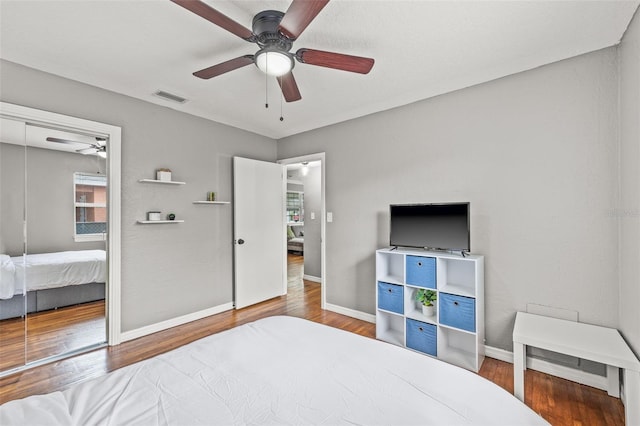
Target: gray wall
<point>167,270</point>
<point>12,184</point>
<point>50,199</point>
<point>312,203</point>
<point>535,154</point>
<point>629,211</point>
<point>50,215</point>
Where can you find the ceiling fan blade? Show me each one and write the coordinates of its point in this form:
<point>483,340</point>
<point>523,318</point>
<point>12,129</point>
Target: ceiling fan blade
<point>289,87</point>
<point>212,15</point>
<point>299,16</point>
<point>87,151</point>
<point>337,61</point>
<point>58,140</point>
<point>224,67</point>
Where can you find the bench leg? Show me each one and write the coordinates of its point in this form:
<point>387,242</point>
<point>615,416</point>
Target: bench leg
<point>632,397</point>
<point>519,365</point>
<point>613,381</point>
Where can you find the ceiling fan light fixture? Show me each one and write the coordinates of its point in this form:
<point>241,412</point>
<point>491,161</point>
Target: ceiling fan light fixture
<point>274,62</point>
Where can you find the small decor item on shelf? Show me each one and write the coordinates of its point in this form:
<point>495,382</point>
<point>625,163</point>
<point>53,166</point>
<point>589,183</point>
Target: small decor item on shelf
<point>153,216</point>
<point>426,298</point>
<point>171,216</point>
<point>211,196</point>
<point>163,174</point>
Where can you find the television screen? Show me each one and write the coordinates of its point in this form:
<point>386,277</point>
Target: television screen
<point>434,226</point>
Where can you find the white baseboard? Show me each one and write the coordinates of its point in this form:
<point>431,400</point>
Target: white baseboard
<point>351,313</point>
<point>583,377</point>
<point>312,278</point>
<point>154,328</point>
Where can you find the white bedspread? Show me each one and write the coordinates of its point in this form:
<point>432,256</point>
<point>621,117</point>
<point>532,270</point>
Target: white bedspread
<point>280,371</point>
<point>7,277</point>
<point>51,270</point>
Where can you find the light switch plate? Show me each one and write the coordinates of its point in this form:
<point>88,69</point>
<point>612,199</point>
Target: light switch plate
<point>329,216</point>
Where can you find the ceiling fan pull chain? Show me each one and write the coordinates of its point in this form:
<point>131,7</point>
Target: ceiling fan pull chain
<point>281,96</point>
<point>266,87</point>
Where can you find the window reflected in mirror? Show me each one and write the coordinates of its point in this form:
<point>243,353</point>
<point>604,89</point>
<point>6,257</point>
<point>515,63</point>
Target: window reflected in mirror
<point>90,207</point>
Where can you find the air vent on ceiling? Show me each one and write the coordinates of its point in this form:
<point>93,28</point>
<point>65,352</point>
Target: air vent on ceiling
<point>170,97</point>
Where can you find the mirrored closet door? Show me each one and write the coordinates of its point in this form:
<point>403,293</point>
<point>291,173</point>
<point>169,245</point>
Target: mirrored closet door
<point>12,244</point>
<point>57,253</point>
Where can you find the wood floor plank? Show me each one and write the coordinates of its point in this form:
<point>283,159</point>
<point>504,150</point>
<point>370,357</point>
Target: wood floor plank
<point>559,401</point>
<point>51,333</point>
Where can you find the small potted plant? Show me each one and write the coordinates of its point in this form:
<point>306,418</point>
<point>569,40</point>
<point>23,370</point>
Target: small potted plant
<point>426,298</point>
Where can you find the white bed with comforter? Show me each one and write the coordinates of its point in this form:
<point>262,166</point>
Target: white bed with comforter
<point>39,282</point>
<point>41,271</point>
<point>284,371</point>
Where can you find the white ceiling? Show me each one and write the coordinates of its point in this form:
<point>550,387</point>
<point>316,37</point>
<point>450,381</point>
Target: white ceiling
<point>422,49</point>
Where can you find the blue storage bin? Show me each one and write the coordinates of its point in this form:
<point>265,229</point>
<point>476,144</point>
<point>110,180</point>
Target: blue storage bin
<point>391,297</point>
<point>457,311</point>
<point>421,271</point>
<point>422,337</point>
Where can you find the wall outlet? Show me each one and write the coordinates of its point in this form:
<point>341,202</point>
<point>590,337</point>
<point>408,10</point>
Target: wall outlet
<point>329,216</point>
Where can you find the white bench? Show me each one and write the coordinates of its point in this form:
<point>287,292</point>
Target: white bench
<point>586,341</point>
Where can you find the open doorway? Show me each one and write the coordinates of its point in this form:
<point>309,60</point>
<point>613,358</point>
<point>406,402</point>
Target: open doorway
<point>304,207</point>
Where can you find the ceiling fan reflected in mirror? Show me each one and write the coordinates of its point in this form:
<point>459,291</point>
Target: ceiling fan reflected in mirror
<point>98,148</point>
<point>275,32</point>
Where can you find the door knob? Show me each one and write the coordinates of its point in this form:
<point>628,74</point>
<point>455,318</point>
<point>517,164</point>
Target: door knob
<point>240,241</point>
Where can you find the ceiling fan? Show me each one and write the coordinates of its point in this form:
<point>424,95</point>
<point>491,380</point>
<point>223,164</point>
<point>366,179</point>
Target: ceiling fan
<point>99,148</point>
<point>274,32</point>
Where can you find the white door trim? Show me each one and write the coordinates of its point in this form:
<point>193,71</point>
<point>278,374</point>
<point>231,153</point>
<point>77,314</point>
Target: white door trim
<point>320,156</point>
<point>114,144</point>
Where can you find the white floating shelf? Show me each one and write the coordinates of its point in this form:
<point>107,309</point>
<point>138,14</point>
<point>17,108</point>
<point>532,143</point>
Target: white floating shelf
<point>211,202</point>
<point>168,182</point>
<point>159,221</point>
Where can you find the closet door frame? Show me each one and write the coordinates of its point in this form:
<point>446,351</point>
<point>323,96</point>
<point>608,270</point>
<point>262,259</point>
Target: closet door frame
<point>114,145</point>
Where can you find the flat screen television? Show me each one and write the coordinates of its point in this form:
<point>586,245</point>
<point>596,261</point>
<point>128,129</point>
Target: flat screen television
<point>432,226</point>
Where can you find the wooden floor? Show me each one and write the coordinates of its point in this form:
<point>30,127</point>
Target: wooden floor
<point>51,333</point>
<point>559,401</point>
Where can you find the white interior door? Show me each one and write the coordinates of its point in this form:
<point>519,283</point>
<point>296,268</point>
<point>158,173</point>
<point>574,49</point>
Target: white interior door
<point>259,232</point>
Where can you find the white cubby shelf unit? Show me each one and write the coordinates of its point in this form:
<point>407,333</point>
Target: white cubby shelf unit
<point>455,333</point>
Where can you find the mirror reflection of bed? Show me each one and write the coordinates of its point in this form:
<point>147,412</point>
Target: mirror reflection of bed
<point>52,277</point>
